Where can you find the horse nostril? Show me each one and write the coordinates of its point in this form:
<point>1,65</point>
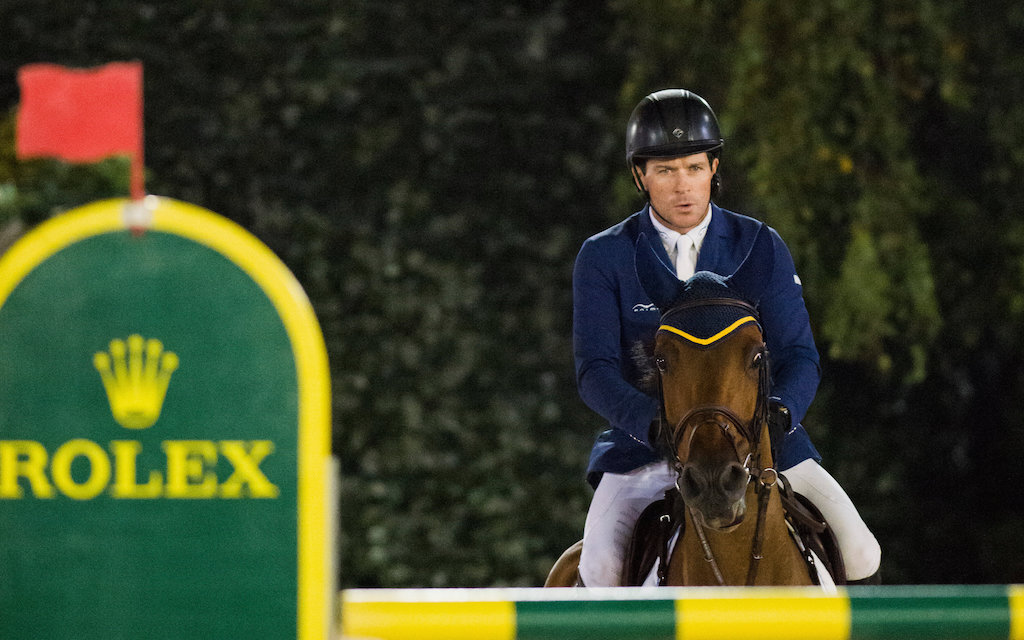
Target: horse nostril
<point>689,484</point>
<point>734,478</point>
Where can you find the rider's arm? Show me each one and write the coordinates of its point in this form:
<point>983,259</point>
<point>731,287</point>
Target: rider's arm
<point>597,344</point>
<point>794,358</point>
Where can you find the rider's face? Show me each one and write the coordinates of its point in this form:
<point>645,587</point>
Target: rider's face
<point>680,189</point>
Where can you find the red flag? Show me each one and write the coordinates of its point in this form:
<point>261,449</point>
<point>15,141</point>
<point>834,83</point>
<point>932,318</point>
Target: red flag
<point>82,115</point>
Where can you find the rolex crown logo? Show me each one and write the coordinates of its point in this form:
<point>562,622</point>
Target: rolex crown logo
<point>135,374</point>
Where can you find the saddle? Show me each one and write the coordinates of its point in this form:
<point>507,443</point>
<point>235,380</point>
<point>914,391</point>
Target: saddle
<point>815,534</point>
<point>661,520</point>
<point>652,535</point>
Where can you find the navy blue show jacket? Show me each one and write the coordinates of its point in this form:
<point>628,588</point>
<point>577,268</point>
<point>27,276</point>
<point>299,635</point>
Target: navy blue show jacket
<point>611,313</point>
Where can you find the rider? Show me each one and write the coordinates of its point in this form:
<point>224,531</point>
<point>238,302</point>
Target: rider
<point>673,148</point>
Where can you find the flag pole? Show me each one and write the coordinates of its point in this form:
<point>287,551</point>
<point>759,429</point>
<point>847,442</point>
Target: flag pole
<point>137,178</point>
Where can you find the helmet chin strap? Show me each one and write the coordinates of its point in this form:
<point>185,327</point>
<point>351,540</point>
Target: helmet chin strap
<point>637,181</point>
<point>666,222</point>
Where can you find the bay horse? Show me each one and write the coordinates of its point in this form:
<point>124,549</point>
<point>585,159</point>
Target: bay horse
<point>713,378</point>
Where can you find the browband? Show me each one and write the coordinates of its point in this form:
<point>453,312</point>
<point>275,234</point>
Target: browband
<point>667,325</point>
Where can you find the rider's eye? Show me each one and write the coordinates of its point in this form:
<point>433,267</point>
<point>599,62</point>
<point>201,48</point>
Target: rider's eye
<point>660,363</point>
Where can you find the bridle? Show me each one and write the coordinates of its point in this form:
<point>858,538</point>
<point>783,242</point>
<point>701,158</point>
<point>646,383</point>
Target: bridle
<point>731,425</point>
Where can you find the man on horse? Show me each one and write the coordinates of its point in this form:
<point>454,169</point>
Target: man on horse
<point>673,149</point>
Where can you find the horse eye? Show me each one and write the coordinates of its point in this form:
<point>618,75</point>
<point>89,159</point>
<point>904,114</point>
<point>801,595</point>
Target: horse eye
<point>758,359</point>
<point>660,363</point>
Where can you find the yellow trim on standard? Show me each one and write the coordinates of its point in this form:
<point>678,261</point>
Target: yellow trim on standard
<point>1016,597</point>
<point>706,341</point>
<point>763,612</point>
<point>428,620</point>
<point>315,585</point>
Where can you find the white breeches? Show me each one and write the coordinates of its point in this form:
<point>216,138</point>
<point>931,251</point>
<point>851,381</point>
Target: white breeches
<point>621,497</point>
<point>861,554</point>
<point>614,510</point>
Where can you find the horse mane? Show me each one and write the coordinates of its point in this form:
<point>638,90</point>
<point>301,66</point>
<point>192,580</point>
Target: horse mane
<point>642,355</point>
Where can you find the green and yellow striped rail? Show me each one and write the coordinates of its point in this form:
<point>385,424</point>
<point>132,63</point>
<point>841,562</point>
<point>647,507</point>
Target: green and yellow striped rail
<point>688,613</point>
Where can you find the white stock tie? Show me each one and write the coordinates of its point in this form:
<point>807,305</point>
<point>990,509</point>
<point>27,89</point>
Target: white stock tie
<point>685,258</point>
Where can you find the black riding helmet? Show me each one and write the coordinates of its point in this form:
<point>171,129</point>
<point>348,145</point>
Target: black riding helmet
<point>672,123</point>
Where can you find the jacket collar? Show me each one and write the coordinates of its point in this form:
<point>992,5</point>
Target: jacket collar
<point>647,227</point>
<point>709,251</point>
<point>708,258</point>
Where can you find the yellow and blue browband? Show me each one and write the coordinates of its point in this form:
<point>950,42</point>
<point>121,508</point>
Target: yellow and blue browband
<point>711,339</point>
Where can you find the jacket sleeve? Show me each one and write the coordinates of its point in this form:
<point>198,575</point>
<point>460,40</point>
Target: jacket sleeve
<point>793,356</point>
<point>598,350</point>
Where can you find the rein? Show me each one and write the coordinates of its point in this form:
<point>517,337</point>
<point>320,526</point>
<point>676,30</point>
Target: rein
<point>751,432</point>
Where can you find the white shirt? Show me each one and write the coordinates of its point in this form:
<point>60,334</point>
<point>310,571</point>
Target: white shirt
<point>686,264</point>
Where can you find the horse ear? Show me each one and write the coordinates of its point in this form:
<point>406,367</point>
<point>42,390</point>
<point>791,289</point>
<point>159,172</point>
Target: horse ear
<point>657,278</point>
<point>752,276</point>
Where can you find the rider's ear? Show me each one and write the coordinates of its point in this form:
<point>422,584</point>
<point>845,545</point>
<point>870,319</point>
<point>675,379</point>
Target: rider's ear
<point>752,276</point>
<point>657,278</point>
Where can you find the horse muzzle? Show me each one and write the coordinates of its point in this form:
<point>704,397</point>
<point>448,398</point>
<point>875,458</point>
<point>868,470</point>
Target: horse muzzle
<point>716,495</point>
<point>724,524</point>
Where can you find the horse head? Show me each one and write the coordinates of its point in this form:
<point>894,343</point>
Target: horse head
<point>712,366</point>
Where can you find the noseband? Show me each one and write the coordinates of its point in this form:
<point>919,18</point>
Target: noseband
<point>723,418</point>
